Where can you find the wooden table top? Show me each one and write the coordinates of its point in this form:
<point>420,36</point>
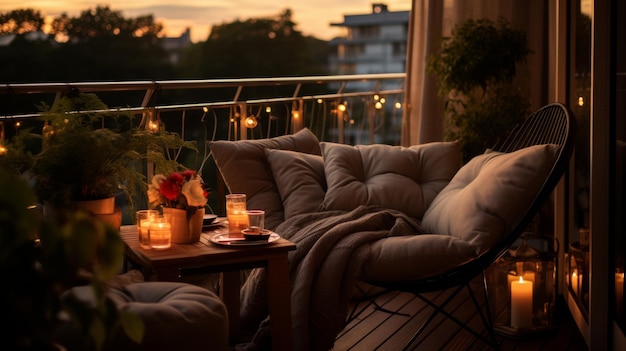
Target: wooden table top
<point>203,253</point>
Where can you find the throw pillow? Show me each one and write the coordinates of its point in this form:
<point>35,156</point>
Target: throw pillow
<point>300,180</point>
<point>394,177</point>
<point>245,170</point>
<point>489,195</point>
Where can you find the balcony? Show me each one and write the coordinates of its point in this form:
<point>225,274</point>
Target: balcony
<point>351,109</point>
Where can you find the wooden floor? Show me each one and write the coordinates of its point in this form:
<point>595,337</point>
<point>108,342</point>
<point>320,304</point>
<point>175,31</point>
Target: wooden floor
<point>372,329</point>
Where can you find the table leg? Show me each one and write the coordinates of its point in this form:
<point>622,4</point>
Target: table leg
<point>229,293</point>
<point>279,296</point>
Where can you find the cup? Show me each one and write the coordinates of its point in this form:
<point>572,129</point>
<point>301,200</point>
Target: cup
<point>236,214</point>
<point>144,217</point>
<point>256,221</point>
<point>160,233</point>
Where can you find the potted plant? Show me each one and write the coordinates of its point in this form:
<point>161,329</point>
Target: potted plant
<point>40,258</point>
<point>475,69</point>
<point>89,155</point>
<point>182,196</point>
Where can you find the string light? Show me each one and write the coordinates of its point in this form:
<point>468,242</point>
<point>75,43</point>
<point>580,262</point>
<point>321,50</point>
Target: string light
<point>398,105</point>
<point>581,101</point>
<point>378,105</point>
<point>342,107</point>
<point>251,122</point>
<point>153,125</point>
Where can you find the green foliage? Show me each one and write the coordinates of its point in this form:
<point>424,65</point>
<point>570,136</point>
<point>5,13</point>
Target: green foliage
<point>40,258</point>
<point>475,69</point>
<point>88,153</point>
<point>478,53</point>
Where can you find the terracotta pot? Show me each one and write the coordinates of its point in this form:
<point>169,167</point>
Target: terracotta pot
<point>184,230</point>
<point>103,209</point>
<point>102,206</point>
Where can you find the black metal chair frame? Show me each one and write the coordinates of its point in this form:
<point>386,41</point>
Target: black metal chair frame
<point>551,124</point>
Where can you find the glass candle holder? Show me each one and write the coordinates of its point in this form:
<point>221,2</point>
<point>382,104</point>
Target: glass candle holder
<point>144,218</point>
<point>236,214</point>
<point>160,233</point>
<point>256,221</point>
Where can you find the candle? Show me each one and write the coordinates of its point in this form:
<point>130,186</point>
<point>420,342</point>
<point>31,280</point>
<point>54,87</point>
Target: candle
<point>236,214</point>
<point>144,230</point>
<point>237,221</point>
<point>574,282</point>
<point>144,218</point>
<point>160,234</point>
<point>619,292</point>
<point>521,303</point>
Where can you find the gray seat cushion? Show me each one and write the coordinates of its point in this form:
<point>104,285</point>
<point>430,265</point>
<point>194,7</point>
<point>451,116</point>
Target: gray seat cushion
<point>176,316</point>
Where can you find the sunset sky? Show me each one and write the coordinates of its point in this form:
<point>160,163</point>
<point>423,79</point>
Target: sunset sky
<point>312,17</point>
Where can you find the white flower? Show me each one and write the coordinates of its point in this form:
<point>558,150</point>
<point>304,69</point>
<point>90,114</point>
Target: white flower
<point>154,195</point>
<point>194,193</point>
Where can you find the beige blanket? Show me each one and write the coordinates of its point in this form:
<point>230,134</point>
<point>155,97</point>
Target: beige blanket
<point>331,247</point>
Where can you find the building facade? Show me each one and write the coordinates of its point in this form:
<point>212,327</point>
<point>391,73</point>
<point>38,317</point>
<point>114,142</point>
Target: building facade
<point>374,42</point>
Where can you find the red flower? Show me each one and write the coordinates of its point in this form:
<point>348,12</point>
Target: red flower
<point>170,188</point>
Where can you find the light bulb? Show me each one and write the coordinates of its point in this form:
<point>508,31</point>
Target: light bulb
<point>251,122</point>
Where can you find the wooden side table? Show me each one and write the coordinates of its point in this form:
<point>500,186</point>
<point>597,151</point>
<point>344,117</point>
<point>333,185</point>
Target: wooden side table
<point>166,265</point>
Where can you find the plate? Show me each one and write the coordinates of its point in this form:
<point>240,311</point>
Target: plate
<point>223,239</point>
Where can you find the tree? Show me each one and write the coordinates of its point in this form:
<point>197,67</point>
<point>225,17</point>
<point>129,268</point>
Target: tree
<point>256,47</point>
<point>21,21</point>
<point>99,44</point>
<point>104,22</point>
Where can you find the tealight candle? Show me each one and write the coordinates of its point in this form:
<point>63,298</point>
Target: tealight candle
<point>160,233</point>
<point>521,303</point>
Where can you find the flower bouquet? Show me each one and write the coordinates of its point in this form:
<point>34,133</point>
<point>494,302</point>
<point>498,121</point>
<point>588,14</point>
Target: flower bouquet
<point>182,197</point>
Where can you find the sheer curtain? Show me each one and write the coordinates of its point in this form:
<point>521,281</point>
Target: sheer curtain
<point>423,119</point>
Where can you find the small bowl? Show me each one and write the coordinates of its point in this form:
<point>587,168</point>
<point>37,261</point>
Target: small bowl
<point>208,219</point>
<point>256,236</point>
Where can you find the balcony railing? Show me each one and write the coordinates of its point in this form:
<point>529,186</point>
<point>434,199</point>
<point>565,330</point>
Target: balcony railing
<point>344,108</point>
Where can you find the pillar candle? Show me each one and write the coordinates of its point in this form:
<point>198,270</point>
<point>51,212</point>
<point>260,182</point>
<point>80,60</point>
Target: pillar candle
<point>160,234</point>
<point>619,292</point>
<point>521,303</point>
<point>574,282</point>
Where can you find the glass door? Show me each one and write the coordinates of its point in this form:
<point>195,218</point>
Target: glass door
<point>619,171</point>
